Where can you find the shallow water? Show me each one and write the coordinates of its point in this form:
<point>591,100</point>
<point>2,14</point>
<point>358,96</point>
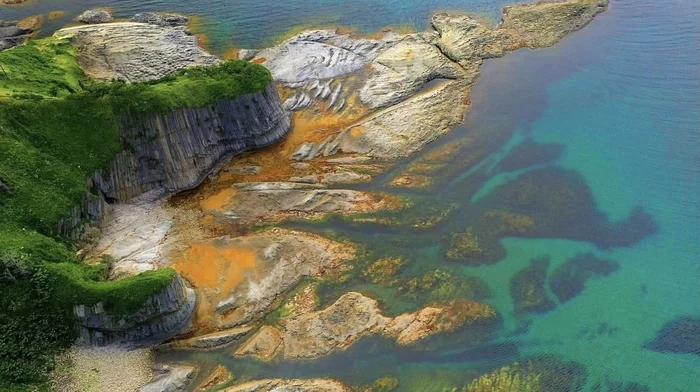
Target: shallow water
<point>619,105</point>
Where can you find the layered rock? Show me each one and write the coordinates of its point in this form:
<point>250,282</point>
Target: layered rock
<point>11,34</point>
<point>312,385</point>
<point>544,24</point>
<point>175,151</point>
<point>95,17</point>
<point>160,317</point>
<point>316,334</point>
<point>135,51</point>
<point>161,19</point>
<point>172,378</point>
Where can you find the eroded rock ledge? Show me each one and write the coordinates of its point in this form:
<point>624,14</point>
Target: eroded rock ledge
<point>352,316</point>
<point>161,316</point>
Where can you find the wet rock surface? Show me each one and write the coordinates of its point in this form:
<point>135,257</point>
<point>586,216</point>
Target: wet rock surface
<point>172,378</point>
<point>352,316</point>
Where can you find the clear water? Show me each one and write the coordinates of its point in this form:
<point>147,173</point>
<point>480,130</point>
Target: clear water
<point>621,98</point>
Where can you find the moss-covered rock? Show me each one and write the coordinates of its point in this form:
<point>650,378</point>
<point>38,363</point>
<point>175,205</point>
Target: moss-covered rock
<point>535,375</point>
<point>440,285</point>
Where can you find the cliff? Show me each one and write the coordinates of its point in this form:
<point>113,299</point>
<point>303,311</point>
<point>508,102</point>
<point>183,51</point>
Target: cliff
<point>175,151</point>
<point>161,316</point>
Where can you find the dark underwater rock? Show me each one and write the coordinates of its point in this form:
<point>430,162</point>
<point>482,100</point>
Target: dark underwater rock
<point>541,374</point>
<point>528,288</point>
<point>615,386</point>
<point>570,278</point>
<point>528,154</point>
<point>681,335</point>
<point>550,202</point>
<point>161,317</point>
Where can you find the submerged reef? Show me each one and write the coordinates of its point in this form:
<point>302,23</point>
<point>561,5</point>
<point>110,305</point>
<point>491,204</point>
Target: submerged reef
<point>528,154</point>
<point>541,374</point>
<point>528,288</point>
<point>681,336</point>
<point>549,202</point>
<point>570,278</point>
<point>440,285</point>
<point>616,386</point>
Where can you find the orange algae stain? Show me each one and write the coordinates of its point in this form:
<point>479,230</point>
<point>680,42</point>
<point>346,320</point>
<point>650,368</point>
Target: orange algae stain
<point>31,22</point>
<point>53,15</point>
<point>259,60</point>
<point>230,54</point>
<point>218,201</point>
<point>196,26</point>
<point>211,265</point>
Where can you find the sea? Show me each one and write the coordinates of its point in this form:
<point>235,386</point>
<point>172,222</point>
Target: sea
<point>603,127</point>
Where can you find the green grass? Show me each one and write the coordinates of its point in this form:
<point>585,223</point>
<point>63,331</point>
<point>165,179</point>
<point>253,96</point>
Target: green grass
<point>57,127</point>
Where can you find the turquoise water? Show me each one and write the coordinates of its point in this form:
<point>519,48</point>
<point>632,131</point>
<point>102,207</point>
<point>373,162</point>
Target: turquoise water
<point>254,23</point>
<point>620,102</point>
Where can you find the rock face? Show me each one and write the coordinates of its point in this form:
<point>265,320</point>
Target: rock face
<point>313,385</point>
<point>175,151</point>
<point>161,316</point>
<point>135,51</point>
<point>315,334</point>
<point>12,35</point>
<point>95,17</point>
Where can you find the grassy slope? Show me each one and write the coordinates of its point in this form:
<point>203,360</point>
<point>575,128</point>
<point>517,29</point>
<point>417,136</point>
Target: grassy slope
<point>56,128</point>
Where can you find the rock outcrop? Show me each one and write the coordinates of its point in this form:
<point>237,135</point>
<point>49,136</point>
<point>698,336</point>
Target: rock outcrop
<point>161,316</point>
<point>95,17</point>
<point>316,334</point>
<point>172,378</point>
<point>312,385</point>
<point>175,151</point>
<point>12,35</point>
<point>329,70</point>
<point>240,278</point>
<point>545,23</point>
<point>161,19</point>
<point>135,51</point>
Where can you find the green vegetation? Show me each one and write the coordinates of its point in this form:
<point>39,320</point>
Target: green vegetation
<point>57,127</point>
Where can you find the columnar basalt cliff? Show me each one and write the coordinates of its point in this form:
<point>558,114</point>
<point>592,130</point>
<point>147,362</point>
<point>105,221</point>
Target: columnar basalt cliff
<point>161,316</point>
<point>175,151</point>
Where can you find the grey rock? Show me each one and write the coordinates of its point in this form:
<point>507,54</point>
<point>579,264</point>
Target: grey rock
<point>279,385</point>
<point>5,189</point>
<point>158,19</point>
<point>95,17</point>
<point>175,378</point>
<point>178,150</point>
<point>161,317</point>
<point>219,339</point>
<point>12,35</point>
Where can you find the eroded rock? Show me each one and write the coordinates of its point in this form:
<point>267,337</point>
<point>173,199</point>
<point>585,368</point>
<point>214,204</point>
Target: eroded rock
<point>173,378</point>
<point>161,19</point>
<point>315,334</point>
<point>11,34</point>
<point>95,17</point>
<point>135,51</point>
<point>312,385</point>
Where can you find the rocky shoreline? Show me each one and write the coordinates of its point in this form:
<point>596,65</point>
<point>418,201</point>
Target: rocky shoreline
<point>358,104</point>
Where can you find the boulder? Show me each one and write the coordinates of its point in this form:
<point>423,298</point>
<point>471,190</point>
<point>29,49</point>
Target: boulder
<point>95,17</point>
<point>11,35</point>
<point>158,19</point>
<point>172,378</point>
